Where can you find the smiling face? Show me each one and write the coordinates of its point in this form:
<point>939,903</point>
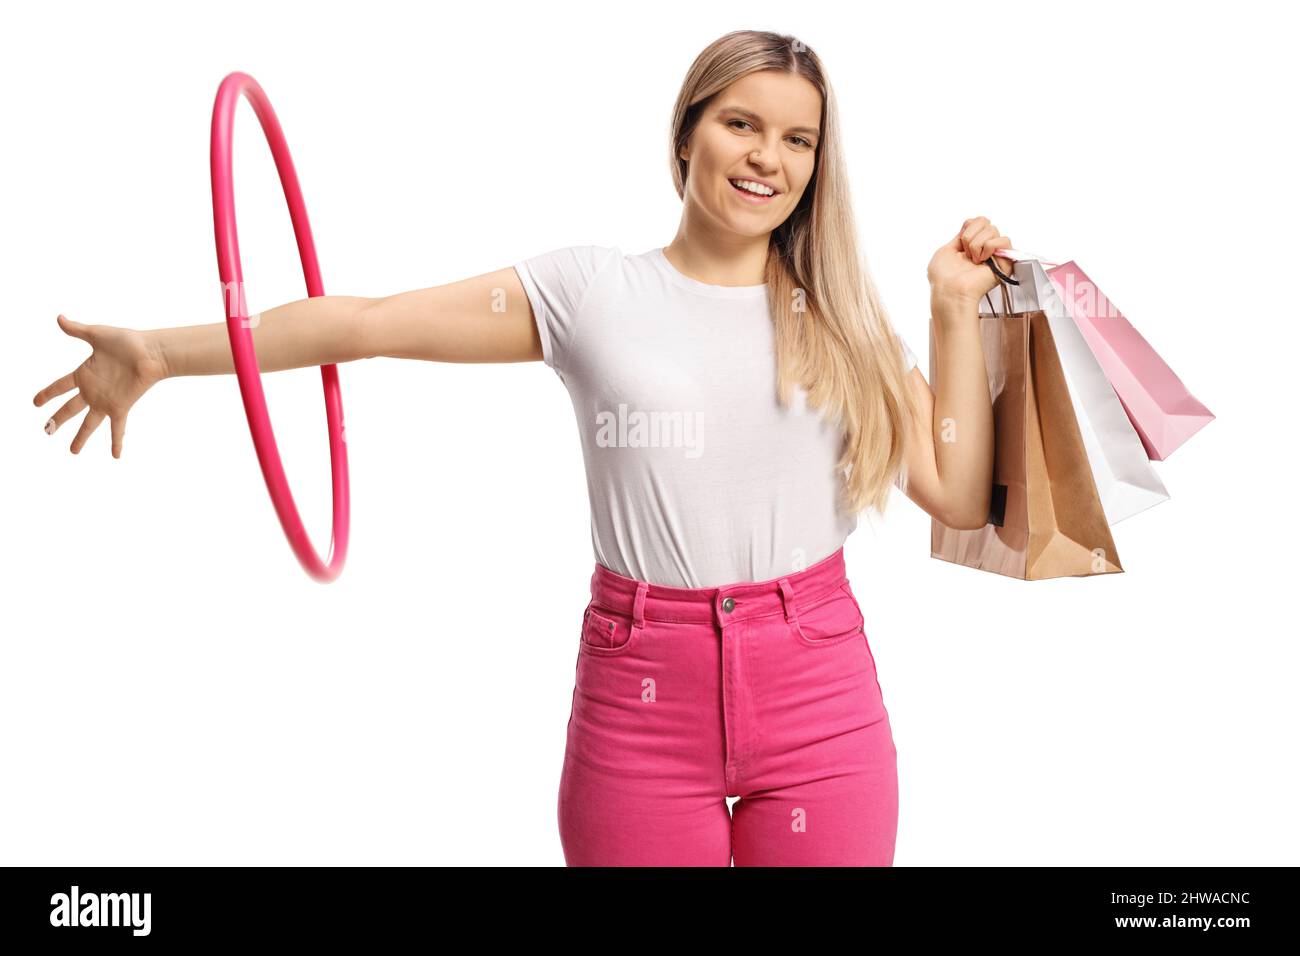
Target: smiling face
<point>761,131</point>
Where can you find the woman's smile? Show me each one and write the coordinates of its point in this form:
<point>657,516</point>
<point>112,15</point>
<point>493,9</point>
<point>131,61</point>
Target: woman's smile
<point>746,195</point>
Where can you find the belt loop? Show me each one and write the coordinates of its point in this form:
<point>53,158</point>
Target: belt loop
<point>787,599</point>
<point>638,606</point>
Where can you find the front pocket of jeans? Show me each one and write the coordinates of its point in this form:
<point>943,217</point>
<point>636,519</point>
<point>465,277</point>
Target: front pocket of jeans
<point>606,633</point>
<point>830,621</point>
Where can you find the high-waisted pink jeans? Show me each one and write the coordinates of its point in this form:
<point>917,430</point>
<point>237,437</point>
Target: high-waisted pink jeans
<point>765,691</point>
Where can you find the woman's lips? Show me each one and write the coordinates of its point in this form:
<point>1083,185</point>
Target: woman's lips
<point>752,198</point>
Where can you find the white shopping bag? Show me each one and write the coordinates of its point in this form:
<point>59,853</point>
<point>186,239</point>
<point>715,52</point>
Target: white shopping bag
<point>1121,468</point>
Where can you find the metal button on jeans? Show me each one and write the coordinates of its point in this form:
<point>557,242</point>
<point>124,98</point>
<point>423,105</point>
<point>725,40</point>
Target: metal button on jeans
<point>728,604</point>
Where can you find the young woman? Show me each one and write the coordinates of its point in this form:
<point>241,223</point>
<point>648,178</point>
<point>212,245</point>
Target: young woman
<point>741,395</point>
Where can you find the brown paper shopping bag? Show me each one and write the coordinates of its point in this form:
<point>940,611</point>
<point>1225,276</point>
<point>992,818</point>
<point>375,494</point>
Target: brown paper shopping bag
<point>1045,515</point>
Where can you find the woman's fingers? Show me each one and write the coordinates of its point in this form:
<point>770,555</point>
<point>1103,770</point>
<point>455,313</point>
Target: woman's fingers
<point>56,387</point>
<point>118,425</point>
<point>992,242</point>
<point>88,425</point>
<point>980,243</point>
<point>970,230</point>
<point>978,238</point>
<point>71,407</point>
<point>77,403</point>
<point>74,328</point>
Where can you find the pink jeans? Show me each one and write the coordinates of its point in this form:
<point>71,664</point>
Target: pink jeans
<point>765,691</point>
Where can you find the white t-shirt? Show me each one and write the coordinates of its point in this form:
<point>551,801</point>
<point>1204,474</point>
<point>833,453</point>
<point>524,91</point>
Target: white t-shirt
<point>697,477</point>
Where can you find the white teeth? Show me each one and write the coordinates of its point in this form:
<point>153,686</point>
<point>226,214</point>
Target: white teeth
<point>753,187</point>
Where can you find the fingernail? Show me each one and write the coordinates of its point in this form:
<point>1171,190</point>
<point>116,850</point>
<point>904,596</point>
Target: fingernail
<point>49,427</point>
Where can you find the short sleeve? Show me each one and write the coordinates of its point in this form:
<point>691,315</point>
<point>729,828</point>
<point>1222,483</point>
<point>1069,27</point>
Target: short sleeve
<point>556,284</point>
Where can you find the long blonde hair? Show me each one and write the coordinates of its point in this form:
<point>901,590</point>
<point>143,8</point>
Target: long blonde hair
<point>835,338</point>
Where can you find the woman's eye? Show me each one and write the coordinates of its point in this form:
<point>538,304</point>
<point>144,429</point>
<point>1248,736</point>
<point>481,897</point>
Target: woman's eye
<point>799,139</point>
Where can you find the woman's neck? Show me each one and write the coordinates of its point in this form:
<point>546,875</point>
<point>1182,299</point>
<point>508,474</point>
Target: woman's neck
<point>727,262</point>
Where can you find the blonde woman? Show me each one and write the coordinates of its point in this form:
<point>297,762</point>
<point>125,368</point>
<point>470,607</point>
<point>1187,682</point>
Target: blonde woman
<point>741,395</point>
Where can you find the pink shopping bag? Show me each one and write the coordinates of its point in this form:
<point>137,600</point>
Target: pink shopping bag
<point>1163,412</point>
<point>1161,408</point>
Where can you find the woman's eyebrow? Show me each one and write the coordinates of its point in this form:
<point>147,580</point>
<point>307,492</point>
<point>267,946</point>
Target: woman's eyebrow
<point>750,114</point>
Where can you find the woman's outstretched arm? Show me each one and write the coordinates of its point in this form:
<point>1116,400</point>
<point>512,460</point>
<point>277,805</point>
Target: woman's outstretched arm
<point>318,331</point>
<point>487,318</point>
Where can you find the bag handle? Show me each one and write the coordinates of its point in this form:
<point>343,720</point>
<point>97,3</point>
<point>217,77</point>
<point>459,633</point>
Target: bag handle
<point>999,273</point>
<point>1006,301</point>
<point>1014,255</point>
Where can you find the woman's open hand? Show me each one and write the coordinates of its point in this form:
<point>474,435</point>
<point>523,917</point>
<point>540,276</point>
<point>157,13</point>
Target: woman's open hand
<point>123,365</point>
<point>957,270</point>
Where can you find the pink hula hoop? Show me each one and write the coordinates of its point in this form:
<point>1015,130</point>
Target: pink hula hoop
<point>241,335</point>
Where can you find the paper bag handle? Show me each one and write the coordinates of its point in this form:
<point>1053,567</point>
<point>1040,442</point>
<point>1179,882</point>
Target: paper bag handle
<point>1006,301</point>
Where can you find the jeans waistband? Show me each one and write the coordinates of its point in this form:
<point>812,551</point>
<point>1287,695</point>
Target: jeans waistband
<point>643,601</point>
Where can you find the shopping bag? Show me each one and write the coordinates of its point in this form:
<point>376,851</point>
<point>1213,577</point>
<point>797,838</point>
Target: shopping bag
<point>1121,467</point>
<point>1163,412</point>
<point>1045,516</point>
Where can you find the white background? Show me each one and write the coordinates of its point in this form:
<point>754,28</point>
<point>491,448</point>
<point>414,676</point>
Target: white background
<point>175,690</point>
